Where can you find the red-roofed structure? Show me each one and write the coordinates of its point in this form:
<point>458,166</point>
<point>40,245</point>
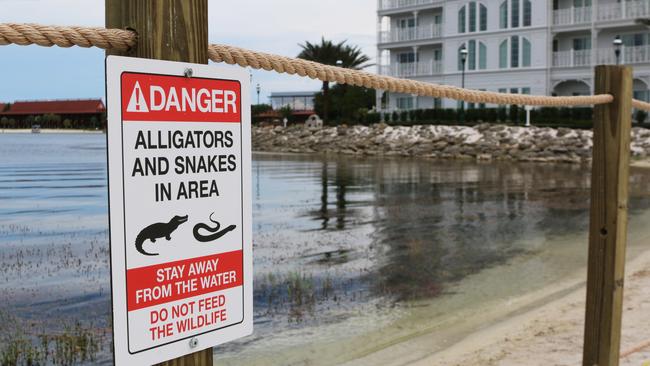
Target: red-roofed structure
<point>81,113</point>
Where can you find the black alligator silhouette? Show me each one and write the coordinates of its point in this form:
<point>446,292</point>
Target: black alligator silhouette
<point>217,234</point>
<point>158,230</point>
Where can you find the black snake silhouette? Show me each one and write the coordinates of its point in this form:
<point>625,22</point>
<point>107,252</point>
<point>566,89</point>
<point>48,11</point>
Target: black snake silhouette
<point>215,230</point>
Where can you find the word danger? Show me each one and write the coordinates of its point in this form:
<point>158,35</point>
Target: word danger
<point>192,99</point>
<point>187,316</point>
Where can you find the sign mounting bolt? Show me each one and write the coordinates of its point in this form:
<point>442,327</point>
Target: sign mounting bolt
<point>194,342</point>
<point>188,72</point>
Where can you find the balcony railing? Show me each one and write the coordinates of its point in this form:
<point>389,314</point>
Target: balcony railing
<point>394,4</point>
<point>571,16</point>
<point>624,10</point>
<point>411,34</point>
<point>410,69</point>
<point>629,55</point>
<point>572,58</point>
<point>604,56</point>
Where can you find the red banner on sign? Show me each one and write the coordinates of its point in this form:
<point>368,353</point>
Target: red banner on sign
<point>149,97</point>
<point>166,282</point>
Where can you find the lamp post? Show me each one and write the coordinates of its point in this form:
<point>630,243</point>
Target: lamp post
<point>463,59</point>
<point>618,42</point>
<point>258,88</point>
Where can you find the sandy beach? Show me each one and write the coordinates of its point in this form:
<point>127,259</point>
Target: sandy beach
<point>552,334</point>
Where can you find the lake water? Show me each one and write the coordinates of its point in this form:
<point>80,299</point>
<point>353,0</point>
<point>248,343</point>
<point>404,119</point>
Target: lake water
<point>350,255</point>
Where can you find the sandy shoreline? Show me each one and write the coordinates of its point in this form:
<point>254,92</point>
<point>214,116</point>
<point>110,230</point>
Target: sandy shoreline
<point>550,334</point>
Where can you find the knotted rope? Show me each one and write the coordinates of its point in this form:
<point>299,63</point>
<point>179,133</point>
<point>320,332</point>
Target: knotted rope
<point>121,40</point>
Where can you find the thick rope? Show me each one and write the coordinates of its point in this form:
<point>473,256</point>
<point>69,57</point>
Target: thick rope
<point>314,70</point>
<point>121,40</point>
<point>639,104</point>
<point>44,35</point>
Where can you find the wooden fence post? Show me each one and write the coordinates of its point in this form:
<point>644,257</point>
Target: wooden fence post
<point>608,217</point>
<point>175,30</point>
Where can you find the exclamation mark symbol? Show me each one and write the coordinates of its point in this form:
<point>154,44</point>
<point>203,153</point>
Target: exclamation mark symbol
<point>137,102</point>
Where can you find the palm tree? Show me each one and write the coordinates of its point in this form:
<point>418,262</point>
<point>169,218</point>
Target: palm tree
<point>330,53</point>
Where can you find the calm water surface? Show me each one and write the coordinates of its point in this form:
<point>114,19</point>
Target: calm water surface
<point>346,250</point>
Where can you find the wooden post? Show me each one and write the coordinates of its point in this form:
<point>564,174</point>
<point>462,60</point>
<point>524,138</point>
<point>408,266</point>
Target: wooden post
<point>175,30</point>
<point>608,218</point>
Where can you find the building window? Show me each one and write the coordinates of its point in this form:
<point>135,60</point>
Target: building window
<point>514,51</point>
<point>525,57</point>
<point>503,54</point>
<point>514,22</point>
<point>525,91</point>
<point>516,59</point>
<point>407,57</point>
<point>482,56</point>
<point>503,15</point>
<point>471,56</point>
<point>471,62</point>
<point>517,12</point>
<point>460,57</point>
<point>461,20</point>
<point>406,23</point>
<point>483,17</point>
<point>405,103</point>
<point>472,16</point>
<point>528,13</point>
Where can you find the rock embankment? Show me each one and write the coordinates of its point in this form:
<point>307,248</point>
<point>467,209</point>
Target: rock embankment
<point>481,142</point>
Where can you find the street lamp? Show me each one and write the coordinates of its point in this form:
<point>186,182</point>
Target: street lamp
<point>463,58</point>
<point>339,63</point>
<point>258,92</point>
<point>617,48</point>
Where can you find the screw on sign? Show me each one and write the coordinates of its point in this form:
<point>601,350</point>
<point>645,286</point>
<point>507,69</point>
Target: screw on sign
<point>180,212</point>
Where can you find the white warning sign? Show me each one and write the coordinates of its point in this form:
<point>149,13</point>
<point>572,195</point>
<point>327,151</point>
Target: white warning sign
<point>180,208</point>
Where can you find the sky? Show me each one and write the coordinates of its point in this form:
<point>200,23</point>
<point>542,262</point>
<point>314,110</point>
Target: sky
<point>277,26</point>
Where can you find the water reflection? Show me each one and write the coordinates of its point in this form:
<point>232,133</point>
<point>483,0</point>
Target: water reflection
<point>342,246</point>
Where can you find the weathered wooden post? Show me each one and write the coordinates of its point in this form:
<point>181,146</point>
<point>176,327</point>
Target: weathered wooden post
<point>608,218</point>
<point>175,30</point>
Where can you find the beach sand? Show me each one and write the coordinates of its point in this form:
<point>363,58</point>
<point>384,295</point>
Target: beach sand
<point>552,334</point>
<point>547,335</point>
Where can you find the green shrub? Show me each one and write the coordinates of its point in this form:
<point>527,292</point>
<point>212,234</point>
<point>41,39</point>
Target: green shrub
<point>372,118</point>
<point>640,116</point>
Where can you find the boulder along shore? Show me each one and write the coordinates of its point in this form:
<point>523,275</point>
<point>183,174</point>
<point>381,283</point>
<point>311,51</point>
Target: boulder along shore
<point>480,142</point>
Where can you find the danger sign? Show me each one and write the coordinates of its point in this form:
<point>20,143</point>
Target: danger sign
<point>180,207</point>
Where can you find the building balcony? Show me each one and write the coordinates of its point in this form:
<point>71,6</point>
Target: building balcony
<point>629,55</point>
<point>623,10</point>
<point>572,58</point>
<point>412,69</point>
<point>605,12</point>
<point>604,56</point>
<point>572,16</point>
<point>411,34</point>
<point>396,4</point>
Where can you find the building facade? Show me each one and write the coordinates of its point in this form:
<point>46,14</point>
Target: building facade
<point>297,101</point>
<point>543,47</point>
<point>74,113</point>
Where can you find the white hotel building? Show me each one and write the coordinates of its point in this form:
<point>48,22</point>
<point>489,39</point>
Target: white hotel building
<point>543,47</point>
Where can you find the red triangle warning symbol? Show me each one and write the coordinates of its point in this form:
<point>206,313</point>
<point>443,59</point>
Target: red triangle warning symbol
<point>137,102</point>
